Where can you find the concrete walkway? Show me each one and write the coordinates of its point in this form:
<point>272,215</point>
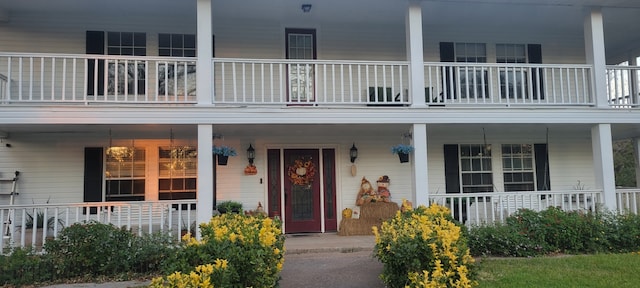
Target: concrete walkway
<point>311,260</point>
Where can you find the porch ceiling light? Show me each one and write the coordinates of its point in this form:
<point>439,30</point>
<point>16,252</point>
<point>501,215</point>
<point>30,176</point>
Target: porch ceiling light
<point>306,8</point>
<point>353,153</point>
<point>251,154</point>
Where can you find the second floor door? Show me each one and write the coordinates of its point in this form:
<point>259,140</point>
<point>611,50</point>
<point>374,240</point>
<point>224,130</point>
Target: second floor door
<point>300,45</point>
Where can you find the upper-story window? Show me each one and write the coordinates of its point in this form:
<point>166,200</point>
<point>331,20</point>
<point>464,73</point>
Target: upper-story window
<point>177,77</point>
<point>177,45</point>
<point>126,76</point>
<point>471,52</point>
<point>513,80</point>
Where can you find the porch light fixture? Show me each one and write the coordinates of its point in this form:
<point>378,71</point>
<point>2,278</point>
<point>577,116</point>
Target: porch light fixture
<point>306,8</point>
<point>251,154</point>
<point>353,153</point>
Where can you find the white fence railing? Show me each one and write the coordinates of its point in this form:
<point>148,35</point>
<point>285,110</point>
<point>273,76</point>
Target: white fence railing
<point>88,79</point>
<point>507,84</point>
<point>628,200</point>
<point>18,221</point>
<point>483,208</point>
<point>623,86</point>
<point>3,87</point>
<point>310,82</point>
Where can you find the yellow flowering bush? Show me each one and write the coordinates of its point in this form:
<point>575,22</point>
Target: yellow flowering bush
<point>423,247</point>
<point>252,245</point>
<point>208,275</point>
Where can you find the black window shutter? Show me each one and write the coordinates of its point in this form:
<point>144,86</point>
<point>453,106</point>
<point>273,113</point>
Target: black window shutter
<point>447,54</point>
<point>95,45</point>
<point>451,168</point>
<point>534,51</point>
<point>542,167</point>
<point>93,157</point>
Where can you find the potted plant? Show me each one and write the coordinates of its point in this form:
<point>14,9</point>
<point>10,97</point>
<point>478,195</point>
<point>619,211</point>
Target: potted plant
<point>223,152</point>
<point>39,222</point>
<point>229,207</point>
<point>403,151</point>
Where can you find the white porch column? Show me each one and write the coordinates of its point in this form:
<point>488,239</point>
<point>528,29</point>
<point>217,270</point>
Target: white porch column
<point>603,163</point>
<point>594,46</point>
<point>415,52</point>
<point>420,179</point>
<point>633,61</point>
<point>205,174</point>
<point>204,66</point>
<point>636,156</point>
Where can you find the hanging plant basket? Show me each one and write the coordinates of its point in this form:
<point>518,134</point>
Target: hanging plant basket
<point>222,160</point>
<point>404,157</point>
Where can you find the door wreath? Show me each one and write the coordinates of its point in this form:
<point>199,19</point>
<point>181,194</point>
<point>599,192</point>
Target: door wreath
<point>302,172</point>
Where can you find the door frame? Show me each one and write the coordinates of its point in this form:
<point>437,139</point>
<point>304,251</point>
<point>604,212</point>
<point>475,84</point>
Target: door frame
<point>282,178</point>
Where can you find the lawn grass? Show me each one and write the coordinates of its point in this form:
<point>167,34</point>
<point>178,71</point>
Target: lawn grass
<point>601,270</point>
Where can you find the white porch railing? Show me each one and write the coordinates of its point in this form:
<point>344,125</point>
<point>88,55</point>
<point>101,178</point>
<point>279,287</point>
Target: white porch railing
<point>310,82</point>
<point>623,86</point>
<point>483,208</point>
<point>628,200</point>
<point>62,78</point>
<point>3,87</point>
<point>142,217</point>
<point>507,84</point>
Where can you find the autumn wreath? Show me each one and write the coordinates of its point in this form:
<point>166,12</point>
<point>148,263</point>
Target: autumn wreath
<point>302,172</point>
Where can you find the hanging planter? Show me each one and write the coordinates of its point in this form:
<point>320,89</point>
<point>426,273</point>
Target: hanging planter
<point>403,152</point>
<point>222,160</point>
<point>404,157</point>
<point>223,153</point>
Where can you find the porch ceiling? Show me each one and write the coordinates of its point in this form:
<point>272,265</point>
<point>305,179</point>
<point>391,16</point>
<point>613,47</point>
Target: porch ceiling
<point>554,18</point>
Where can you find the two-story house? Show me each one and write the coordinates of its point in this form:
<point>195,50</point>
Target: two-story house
<point>110,109</point>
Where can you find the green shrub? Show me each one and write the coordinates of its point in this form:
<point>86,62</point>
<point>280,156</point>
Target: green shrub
<point>94,249</point>
<point>421,248</point>
<point>22,266</point>
<point>209,275</point>
<point>253,247</point>
<point>530,233</point>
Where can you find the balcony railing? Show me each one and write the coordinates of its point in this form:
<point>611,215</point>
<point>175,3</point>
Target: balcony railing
<point>93,79</point>
<point>46,78</point>
<point>507,84</point>
<point>313,82</point>
<point>623,86</point>
<point>18,221</point>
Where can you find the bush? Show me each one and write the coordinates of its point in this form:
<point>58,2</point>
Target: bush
<point>96,249</point>
<point>209,275</point>
<point>253,247</point>
<point>531,233</point>
<point>423,248</point>
<point>23,267</point>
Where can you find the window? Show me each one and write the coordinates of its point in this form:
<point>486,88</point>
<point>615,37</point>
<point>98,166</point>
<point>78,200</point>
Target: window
<point>177,45</point>
<point>175,76</point>
<point>126,76</point>
<point>177,172</point>
<point>513,80</point>
<point>125,174</point>
<point>475,168</point>
<point>472,80</point>
<point>518,167</point>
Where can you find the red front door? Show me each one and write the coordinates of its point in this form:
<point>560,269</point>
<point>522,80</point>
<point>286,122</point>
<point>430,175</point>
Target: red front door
<point>302,190</point>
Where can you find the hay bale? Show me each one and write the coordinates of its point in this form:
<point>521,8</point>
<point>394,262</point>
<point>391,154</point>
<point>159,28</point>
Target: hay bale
<point>371,214</point>
<point>378,210</point>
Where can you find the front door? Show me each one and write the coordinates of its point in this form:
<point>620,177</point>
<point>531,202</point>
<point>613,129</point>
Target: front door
<point>302,190</point>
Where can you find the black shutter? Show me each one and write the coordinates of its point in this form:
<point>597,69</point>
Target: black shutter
<point>542,167</point>
<point>95,45</point>
<point>93,175</point>
<point>447,54</point>
<point>534,51</point>
<point>451,168</point>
